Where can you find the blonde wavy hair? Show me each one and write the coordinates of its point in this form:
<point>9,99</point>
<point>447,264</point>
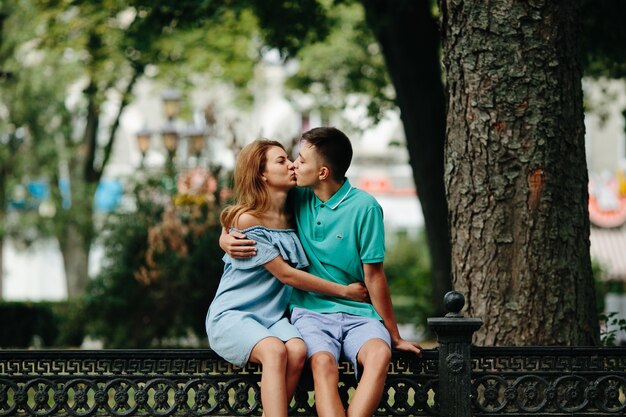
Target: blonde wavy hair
<point>250,194</point>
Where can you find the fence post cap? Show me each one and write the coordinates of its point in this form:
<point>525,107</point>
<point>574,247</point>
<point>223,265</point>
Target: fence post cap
<point>454,302</point>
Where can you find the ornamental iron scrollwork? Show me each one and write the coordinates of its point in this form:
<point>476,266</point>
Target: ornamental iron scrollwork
<point>531,393</point>
<point>455,363</point>
<point>406,396</point>
<point>178,383</point>
<point>549,381</point>
<point>505,381</point>
<point>609,394</point>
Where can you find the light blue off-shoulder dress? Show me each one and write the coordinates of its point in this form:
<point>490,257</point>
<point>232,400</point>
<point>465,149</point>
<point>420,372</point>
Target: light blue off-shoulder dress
<point>250,303</point>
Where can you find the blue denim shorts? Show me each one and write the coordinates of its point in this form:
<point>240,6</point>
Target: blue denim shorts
<point>341,334</point>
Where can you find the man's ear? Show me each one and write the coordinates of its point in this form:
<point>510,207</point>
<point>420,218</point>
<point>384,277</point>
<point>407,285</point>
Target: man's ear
<point>324,173</point>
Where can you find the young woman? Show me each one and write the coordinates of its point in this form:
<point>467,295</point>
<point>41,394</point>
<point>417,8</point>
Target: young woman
<point>246,321</point>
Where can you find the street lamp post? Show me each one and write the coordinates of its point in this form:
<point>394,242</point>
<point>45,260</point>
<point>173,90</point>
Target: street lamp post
<point>171,134</point>
<point>197,142</point>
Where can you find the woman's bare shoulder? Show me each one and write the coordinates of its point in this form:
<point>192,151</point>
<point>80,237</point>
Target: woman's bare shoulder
<point>247,220</point>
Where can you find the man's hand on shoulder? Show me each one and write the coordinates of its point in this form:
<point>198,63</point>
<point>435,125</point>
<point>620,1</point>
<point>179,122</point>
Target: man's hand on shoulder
<point>407,346</point>
<point>236,245</point>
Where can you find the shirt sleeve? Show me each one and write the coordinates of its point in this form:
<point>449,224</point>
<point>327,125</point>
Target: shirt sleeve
<point>372,236</point>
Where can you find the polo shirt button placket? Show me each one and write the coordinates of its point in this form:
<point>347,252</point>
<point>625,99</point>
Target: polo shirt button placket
<point>319,234</point>
<point>319,223</point>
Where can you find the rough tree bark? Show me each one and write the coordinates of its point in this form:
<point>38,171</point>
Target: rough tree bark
<point>515,171</point>
<point>409,38</point>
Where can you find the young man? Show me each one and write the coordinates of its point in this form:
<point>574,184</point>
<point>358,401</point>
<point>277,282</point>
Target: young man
<point>341,230</point>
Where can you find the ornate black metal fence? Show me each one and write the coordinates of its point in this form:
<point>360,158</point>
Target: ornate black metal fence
<point>455,379</point>
<point>549,381</point>
<point>177,383</point>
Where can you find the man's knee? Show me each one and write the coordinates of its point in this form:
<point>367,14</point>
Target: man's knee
<point>375,352</point>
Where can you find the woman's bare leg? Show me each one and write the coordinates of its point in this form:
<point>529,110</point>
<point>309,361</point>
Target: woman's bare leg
<point>296,356</point>
<point>271,353</point>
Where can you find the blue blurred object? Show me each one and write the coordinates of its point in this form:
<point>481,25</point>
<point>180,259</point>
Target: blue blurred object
<point>66,193</point>
<point>39,190</point>
<point>108,195</point>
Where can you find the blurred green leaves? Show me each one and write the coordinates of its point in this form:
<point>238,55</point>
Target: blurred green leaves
<point>407,266</point>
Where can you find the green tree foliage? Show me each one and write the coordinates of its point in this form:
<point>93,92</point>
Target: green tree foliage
<point>348,62</point>
<point>73,60</point>
<point>603,38</point>
<point>407,266</point>
<point>162,268</point>
<point>27,97</point>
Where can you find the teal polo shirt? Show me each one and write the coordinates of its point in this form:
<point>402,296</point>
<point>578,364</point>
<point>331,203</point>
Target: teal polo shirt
<point>338,236</point>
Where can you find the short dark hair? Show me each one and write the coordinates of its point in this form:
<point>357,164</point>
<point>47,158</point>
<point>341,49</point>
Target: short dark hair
<point>333,146</point>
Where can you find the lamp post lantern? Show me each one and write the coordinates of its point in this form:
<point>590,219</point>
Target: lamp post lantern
<point>173,132</point>
<point>171,99</point>
<point>143,142</point>
<point>169,134</point>
<point>196,137</point>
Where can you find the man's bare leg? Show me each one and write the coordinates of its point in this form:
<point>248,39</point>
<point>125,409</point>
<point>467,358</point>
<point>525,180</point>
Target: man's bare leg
<point>374,358</point>
<point>326,379</point>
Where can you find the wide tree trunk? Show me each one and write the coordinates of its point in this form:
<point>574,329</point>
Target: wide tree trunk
<point>515,171</point>
<point>409,40</point>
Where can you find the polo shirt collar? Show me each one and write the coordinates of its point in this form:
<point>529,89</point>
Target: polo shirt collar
<point>337,198</point>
